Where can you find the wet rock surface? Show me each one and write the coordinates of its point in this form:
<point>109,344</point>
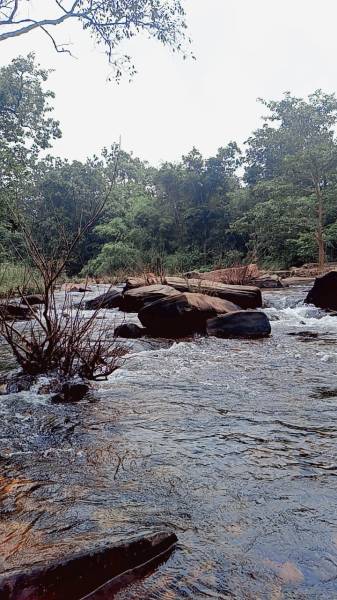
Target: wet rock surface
<point>83,573</point>
<point>248,323</point>
<point>324,292</point>
<point>130,330</point>
<point>72,390</point>
<point>110,299</point>
<point>135,299</point>
<point>16,382</point>
<point>33,300</point>
<point>182,314</point>
<point>244,296</point>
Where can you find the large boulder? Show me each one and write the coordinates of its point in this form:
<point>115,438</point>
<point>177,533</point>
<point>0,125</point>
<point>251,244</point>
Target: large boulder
<point>111,299</point>
<point>243,323</point>
<point>245,296</point>
<point>324,292</point>
<point>182,314</point>
<point>134,299</point>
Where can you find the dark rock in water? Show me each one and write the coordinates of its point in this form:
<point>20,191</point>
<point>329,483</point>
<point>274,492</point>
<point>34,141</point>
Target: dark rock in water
<point>244,296</point>
<point>79,575</point>
<point>15,312</point>
<point>32,300</point>
<point>134,299</point>
<point>243,323</point>
<point>71,391</point>
<point>110,299</point>
<point>129,330</point>
<point>324,293</point>
<point>182,314</point>
<point>17,382</point>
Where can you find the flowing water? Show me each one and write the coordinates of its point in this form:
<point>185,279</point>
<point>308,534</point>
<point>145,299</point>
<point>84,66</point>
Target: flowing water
<point>229,443</point>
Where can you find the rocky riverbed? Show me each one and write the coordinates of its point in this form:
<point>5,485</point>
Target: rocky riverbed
<point>231,444</point>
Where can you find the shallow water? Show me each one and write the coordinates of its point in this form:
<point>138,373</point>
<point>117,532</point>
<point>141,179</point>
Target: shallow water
<point>229,443</point>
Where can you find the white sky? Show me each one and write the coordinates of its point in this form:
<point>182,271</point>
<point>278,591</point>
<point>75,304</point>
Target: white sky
<point>245,49</point>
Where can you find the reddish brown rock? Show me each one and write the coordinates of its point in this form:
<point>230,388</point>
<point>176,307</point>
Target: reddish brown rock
<point>244,296</point>
<point>133,300</point>
<point>182,314</point>
<point>81,574</point>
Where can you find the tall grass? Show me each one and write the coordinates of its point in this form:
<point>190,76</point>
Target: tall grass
<point>14,276</point>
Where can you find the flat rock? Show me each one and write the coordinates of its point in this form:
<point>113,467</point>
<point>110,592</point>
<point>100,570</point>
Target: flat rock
<point>182,314</point>
<point>133,300</point>
<point>140,281</point>
<point>268,281</point>
<point>82,573</point>
<point>243,323</point>
<point>244,296</point>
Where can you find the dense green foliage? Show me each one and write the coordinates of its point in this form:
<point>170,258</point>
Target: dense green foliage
<point>272,201</point>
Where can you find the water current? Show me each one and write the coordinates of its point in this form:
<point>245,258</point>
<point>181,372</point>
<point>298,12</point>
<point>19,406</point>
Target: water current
<point>231,444</point>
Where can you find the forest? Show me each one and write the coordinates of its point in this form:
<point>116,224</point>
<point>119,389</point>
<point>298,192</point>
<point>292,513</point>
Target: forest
<point>269,201</point>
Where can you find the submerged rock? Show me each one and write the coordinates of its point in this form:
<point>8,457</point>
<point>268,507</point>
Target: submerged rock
<point>81,574</point>
<point>245,296</point>
<point>130,330</point>
<point>243,323</point>
<point>71,391</point>
<point>182,314</point>
<point>324,293</point>
<point>111,299</point>
<point>134,299</point>
<point>15,312</point>
<point>33,300</point>
<point>17,382</point>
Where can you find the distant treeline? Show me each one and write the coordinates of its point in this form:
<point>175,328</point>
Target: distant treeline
<point>273,201</point>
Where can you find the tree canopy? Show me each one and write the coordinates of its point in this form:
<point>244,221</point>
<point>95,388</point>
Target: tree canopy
<point>272,201</point>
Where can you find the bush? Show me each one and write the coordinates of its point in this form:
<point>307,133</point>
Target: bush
<point>114,257</point>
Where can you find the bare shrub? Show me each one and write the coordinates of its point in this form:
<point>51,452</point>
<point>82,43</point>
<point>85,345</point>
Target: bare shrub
<point>58,337</point>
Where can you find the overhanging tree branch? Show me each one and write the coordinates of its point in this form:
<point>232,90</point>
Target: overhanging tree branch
<point>109,22</point>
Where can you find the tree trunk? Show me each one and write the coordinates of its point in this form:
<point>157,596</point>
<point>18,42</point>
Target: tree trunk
<point>320,227</point>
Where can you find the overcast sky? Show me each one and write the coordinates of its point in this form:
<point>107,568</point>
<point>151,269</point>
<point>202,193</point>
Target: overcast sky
<point>245,49</point>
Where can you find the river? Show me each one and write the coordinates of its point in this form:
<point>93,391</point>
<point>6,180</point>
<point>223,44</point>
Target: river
<point>232,444</point>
